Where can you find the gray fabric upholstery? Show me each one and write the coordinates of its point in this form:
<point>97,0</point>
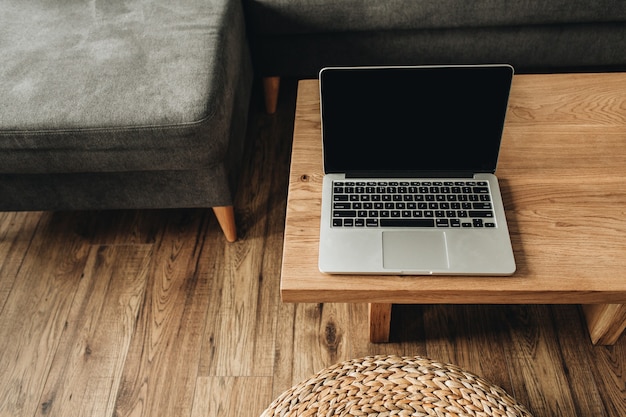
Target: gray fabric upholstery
<point>555,48</point>
<point>331,16</point>
<point>299,37</point>
<point>103,101</point>
<point>115,190</point>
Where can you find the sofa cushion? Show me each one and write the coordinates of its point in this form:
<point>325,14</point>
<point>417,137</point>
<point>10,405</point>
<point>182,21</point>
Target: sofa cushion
<point>320,16</point>
<point>118,86</point>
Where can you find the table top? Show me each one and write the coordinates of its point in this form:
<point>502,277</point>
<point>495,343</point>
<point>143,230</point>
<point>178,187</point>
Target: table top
<point>562,174</point>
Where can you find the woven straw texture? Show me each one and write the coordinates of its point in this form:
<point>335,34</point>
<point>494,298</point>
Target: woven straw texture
<point>395,386</point>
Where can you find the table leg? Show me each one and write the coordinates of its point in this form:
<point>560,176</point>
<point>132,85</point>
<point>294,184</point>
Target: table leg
<point>379,322</point>
<point>605,322</point>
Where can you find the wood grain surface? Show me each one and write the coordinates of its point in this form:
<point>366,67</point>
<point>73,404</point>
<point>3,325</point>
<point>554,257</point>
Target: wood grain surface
<point>562,172</point>
<point>152,313</point>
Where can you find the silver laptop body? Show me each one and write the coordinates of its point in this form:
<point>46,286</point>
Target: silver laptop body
<point>409,161</point>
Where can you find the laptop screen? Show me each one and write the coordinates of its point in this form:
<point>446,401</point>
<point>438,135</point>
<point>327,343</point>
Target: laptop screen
<point>386,120</point>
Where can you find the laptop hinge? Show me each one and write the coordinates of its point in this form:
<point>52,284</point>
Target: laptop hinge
<point>410,174</point>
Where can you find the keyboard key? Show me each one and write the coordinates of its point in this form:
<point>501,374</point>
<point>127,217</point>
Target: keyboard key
<point>407,223</point>
<point>344,213</point>
<point>371,222</point>
<point>480,213</point>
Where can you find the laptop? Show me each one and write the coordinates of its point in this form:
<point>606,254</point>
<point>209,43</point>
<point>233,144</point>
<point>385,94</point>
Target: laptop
<point>409,159</point>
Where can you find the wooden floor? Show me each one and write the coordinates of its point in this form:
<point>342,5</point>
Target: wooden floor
<point>152,313</point>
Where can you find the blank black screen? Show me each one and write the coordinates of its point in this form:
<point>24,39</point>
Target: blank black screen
<point>445,119</point>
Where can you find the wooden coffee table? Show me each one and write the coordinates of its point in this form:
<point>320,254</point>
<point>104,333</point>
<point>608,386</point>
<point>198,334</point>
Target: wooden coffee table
<point>562,174</point>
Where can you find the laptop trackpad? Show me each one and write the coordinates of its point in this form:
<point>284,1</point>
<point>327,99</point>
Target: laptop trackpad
<point>421,252</point>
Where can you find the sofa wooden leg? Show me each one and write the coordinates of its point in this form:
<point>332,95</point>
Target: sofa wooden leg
<point>226,218</point>
<point>271,86</point>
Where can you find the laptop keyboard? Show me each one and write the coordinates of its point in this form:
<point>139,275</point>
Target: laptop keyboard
<point>430,204</point>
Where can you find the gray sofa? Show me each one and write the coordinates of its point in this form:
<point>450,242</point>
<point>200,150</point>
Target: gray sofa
<point>296,38</point>
<point>122,104</point>
<point>143,103</point>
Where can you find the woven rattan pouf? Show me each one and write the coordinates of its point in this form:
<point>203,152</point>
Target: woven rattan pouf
<point>395,386</point>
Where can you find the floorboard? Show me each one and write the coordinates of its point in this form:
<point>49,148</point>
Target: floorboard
<point>152,313</point>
